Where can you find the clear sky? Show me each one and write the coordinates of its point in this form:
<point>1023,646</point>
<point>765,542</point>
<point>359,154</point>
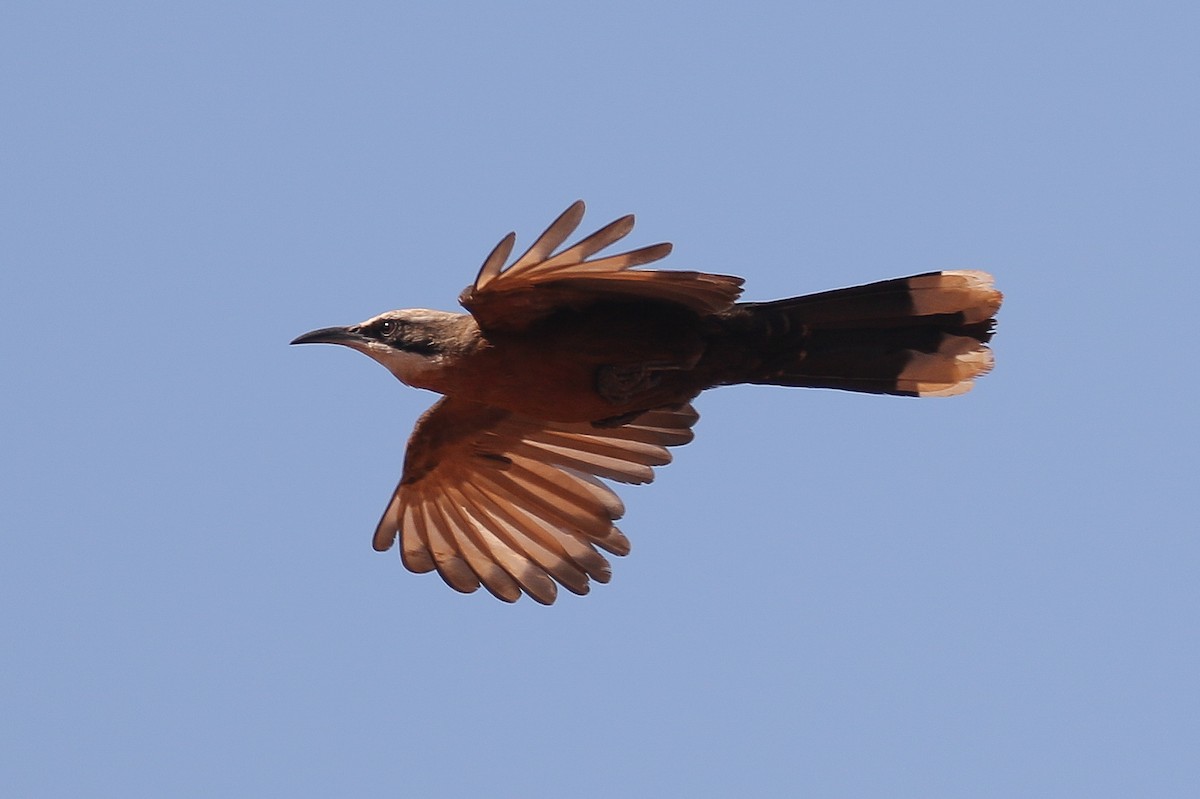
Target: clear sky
<point>829,595</point>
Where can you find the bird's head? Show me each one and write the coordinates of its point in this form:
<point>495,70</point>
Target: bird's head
<point>408,343</point>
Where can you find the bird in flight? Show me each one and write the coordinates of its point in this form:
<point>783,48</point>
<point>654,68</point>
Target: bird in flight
<point>572,367</point>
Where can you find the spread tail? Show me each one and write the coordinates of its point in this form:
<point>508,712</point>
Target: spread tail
<point>920,336</point>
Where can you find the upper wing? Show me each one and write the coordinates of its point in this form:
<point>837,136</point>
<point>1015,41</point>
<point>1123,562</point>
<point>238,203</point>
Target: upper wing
<point>512,503</point>
<point>540,282</point>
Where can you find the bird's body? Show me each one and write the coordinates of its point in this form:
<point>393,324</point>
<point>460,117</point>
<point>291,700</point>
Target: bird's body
<point>561,357</point>
<point>570,368</point>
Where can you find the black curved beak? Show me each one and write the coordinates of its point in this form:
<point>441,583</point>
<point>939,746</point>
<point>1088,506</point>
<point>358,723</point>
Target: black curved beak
<point>330,335</point>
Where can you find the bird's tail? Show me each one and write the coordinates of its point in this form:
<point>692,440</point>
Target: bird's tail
<point>920,336</point>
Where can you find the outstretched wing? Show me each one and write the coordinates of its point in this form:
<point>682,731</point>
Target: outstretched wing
<point>512,503</point>
<point>541,282</point>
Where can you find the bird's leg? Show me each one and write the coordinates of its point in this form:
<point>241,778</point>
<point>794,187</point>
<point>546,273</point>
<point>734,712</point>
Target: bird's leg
<point>620,384</point>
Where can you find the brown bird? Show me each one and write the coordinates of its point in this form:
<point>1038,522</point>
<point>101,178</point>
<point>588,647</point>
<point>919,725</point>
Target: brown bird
<point>571,368</point>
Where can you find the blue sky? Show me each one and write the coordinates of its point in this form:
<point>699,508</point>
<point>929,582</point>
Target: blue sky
<point>828,595</point>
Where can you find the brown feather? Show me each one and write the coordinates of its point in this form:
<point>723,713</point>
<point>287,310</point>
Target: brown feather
<point>586,247</point>
<point>495,260</point>
<point>476,551</point>
<point>450,564</point>
<point>511,528</point>
<point>604,447</point>
<point>543,499</point>
<point>548,242</point>
<point>505,299</point>
<point>601,466</point>
<point>528,575</point>
<point>414,551</point>
<point>569,532</point>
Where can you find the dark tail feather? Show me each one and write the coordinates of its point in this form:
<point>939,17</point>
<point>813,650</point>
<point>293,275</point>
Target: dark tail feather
<point>920,336</point>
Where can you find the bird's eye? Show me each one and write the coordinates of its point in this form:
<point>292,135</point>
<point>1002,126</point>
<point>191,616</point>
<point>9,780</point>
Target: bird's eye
<point>387,327</point>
